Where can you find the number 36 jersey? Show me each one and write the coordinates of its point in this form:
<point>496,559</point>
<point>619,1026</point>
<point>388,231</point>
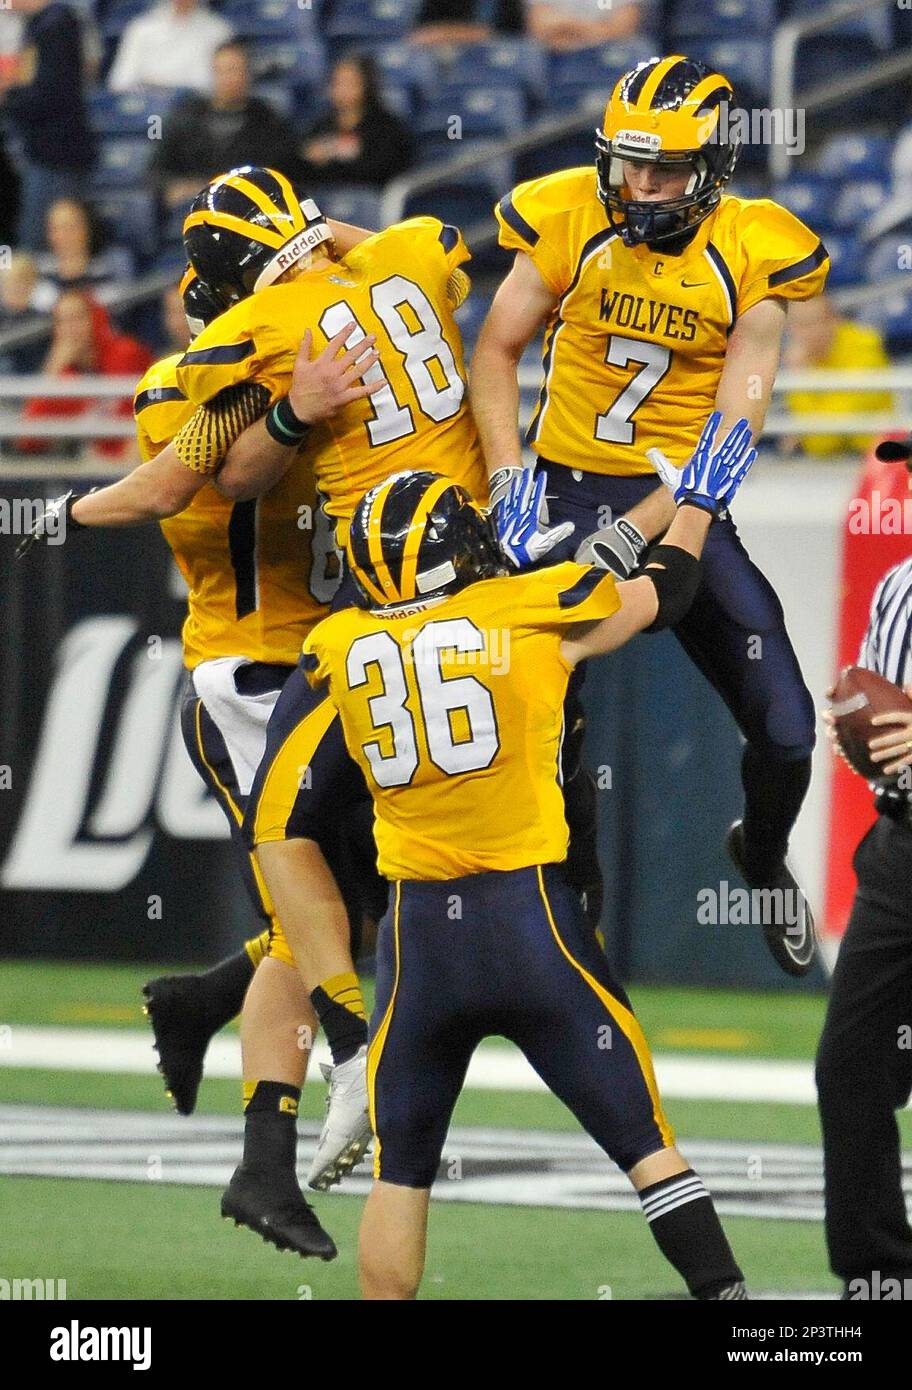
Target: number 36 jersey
<point>259,573</point>
<point>636,345</point>
<point>393,284</point>
<point>454,712</point>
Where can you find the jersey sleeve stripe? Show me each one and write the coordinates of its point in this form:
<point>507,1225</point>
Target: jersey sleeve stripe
<point>214,356</point>
<point>448,237</point>
<point>795,272</point>
<point>516,221</point>
<point>726,279</point>
<point>157,395</point>
<point>581,590</point>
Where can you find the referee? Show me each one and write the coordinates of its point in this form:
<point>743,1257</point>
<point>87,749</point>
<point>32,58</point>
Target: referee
<point>864,1061</point>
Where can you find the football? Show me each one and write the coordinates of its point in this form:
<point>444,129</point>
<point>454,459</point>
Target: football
<point>857,697</point>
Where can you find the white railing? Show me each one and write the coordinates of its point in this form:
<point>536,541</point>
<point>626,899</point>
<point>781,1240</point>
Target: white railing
<point>100,424</point>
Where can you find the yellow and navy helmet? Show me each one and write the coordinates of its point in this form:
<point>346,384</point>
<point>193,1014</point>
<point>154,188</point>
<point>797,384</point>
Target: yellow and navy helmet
<point>666,111</point>
<point>418,536</point>
<point>201,303</point>
<point>247,227</point>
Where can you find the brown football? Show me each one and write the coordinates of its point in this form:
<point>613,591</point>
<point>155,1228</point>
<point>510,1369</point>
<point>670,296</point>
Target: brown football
<point>857,697</point>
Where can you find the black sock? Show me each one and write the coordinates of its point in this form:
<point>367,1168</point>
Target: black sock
<point>270,1127</point>
<point>689,1234</point>
<point>773,793</point>
<point>341,1015</point>
<point>224,987</point>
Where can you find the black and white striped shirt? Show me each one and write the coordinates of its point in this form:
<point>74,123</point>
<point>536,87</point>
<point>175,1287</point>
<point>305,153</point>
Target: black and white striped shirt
<point>887,644</point>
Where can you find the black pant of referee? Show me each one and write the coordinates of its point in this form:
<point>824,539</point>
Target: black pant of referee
<point>864,1064</point>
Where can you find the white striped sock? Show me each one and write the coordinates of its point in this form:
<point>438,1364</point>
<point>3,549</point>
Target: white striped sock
<point>687,1188</point>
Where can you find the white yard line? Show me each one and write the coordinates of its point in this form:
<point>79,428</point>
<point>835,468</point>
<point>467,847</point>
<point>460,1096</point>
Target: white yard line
<point>493,1068</point>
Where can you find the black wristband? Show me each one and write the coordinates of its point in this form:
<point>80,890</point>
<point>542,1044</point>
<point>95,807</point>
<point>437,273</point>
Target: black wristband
<point>283,425</point>
<point>676,583</point>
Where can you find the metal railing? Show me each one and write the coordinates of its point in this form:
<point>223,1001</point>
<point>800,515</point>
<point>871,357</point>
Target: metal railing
<point>786,39</point>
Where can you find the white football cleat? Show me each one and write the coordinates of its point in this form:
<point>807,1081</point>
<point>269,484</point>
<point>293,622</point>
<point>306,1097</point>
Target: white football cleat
<point>346,1132</point>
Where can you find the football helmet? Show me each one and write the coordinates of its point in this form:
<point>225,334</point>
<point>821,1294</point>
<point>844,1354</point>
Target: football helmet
<point>670,112</point>
<point>418,536</point>
<point>247,227</point>
<point>201,303</point>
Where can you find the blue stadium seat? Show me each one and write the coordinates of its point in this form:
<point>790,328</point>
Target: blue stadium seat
<point>355,204</point>
<point>823,55</point>
<point>890,255</point>
<point>399,99</point>
<point>275,55</point>
<point>590,73</point>
<point>279,95</point>
<point>495,175</point>
<point>121,163</point>
<point>746,64</point>
<point>501,63</point>
<point>400,66</point>
<point>846,262</point>
<point>483,111</point>
<point>722,19</point>
<point>172,260</point>
<point>861,156</point>
<point>471,315</point>
<point>463,207</point>
<point>278,19</point>
<point>130,218</point>
<point>893,316</point>
<point>859,200</point>
<point>370,21</point>
<point>812,197</point>
<point>125,113</point>
<point>117,16</point>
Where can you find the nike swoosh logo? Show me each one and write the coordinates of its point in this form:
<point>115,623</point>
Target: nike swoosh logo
<point>693,284</point>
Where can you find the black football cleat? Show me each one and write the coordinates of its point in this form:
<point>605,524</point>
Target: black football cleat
<point>792,944</point>
<point>182,1032</point>
<point>277,1211</point>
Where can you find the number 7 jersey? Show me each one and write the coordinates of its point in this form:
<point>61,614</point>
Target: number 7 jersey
<point>636,344</point>
<point>393,284</point>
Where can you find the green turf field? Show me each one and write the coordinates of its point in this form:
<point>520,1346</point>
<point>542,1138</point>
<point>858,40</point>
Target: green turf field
<point>157,1240</point>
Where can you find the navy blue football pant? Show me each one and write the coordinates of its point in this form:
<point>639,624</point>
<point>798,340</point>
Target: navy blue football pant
<point>507,954</point>
<point>735,634</point>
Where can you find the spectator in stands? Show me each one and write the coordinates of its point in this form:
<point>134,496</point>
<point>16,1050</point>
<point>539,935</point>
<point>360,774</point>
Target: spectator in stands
<point>202,136</point>
<point>564,25</point>
<point>23,300</point>
<point>819,338</point>
<point>76,256</point>
<point>359,141</point>
<point>171,46</point>
<point>467,21</point>
<point>42,99</point>
<point>84,343</point>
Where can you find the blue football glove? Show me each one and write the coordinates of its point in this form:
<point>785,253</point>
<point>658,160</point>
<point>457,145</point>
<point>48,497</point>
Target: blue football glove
<point>521,518</point>
<point>711,479</point>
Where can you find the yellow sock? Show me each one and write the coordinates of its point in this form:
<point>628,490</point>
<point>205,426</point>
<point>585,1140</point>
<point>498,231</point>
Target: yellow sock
<point>345,990</point>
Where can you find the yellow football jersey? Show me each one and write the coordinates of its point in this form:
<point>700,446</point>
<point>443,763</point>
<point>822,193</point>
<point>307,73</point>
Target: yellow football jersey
<point>635,348</point>
<point>393,284</point>
<point>259,573</point>
<point>454,712</point>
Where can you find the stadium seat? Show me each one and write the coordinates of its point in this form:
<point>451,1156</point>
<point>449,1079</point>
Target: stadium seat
<point>877,25</point>
<point>121,163</point>
<point>859,200</point>
<point>471,315</point>
<point>463,207</point>
<point>126,113</point>
<point>130,218</point>
<point>501,63</point>
<point>278,19</point>
<point>279,95</point>
<point>117,16</point>
<point>846,264</point>
<point>892,314</point>
<point>889,256</point>
<point>399,99</point>
<point>722,19</point>
<point>482,111</point>
<point>494,174</point>
<point>590,73</point>
<point>370,21</point>
<point>822,56</point>
<point>746,64</point>
<point>355,204</point>
<point>812,197</point>
<point>861,156</point>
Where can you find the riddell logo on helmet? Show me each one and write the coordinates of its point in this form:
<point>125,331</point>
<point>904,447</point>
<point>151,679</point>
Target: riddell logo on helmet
<point>292,252</point>
<point>642,140</point>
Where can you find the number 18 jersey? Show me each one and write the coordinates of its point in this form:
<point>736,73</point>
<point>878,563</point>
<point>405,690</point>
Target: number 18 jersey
<point>393,284</point>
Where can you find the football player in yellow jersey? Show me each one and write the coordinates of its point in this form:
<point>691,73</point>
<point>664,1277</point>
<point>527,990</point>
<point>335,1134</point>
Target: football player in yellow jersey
<point>450,681</point>
<point>662,298</point>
